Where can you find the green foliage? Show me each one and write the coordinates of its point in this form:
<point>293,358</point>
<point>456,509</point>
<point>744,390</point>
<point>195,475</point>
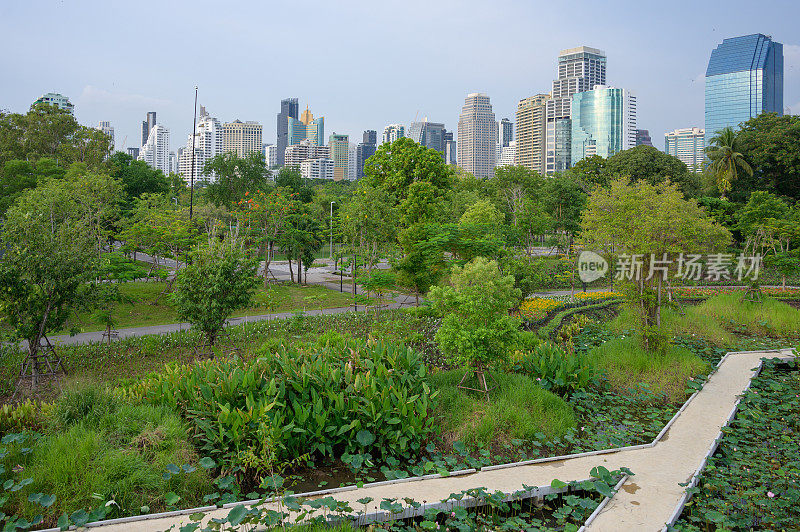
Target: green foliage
<point>771,318</point>
<point>234,176</point>
<point>137,177</point>
<point>751,480</point>
<point>726,160</point>
<point>219,281</point>
<point>651,165</point>
<point>627,365</point>
<point>50,255</point>
<point>298,401</point>
<point>476,328</point>
<point>557,371</point>
<point>98,449</point>
<point>769,143</point>
<point>395,167</point>
<point>649,221</point>
<point>518,408</point>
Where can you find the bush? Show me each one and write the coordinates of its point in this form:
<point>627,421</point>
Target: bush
<point>79,403</point>
<point>352,398</point>
<point>555,370</point>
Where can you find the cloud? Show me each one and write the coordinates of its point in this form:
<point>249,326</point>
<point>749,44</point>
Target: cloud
<point>98,96</point>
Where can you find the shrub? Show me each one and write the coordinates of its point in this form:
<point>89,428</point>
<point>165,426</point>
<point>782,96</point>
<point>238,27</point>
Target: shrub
<point>79,403</point>
<point>555,370</point>
<point>476,328</point>
<point>353,398</point>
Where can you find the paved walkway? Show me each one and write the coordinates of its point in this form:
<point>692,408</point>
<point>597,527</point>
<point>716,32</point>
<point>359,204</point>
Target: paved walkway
<point>646,501</point>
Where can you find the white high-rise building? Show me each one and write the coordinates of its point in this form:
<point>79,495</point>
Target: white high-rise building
<point>352,150</point>
<point>477,136</point>
<point>271,155</point>
<point>321,168</point>
<point>392,132</point>
<point>687,145</point>
<point>106,128</point>
<point>208,142</point>
<point>156,151</point>
<point>509,154</point>
<point>579,70</point>
<point>173,163</point>
<point>294,154</point>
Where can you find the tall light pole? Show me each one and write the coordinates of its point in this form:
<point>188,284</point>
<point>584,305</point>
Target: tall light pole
<point>332,229</point>
<point>191,179</point>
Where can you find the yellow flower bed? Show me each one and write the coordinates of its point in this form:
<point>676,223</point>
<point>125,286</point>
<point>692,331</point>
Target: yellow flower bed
<point>537,308</point>
<point>596,296</point>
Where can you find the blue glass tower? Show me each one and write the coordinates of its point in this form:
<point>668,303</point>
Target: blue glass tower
<point>744,79</point>
<point>603,122</point>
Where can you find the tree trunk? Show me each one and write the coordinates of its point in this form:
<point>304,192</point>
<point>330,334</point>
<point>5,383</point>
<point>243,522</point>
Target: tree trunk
<point>291,272</point>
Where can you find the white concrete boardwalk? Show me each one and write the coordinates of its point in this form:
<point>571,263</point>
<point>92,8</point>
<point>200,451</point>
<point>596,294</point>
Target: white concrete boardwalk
<point>646,501</point>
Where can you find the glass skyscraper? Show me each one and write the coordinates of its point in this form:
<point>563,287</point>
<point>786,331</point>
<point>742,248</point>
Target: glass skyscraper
<point>603,122</point>
<point>744,79</point>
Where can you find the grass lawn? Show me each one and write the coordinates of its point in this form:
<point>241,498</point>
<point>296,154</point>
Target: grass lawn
<point>151,307</point>
<point>518,409</point>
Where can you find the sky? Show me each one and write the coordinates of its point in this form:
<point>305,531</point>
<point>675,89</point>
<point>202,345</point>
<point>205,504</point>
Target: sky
<point>364,64</point>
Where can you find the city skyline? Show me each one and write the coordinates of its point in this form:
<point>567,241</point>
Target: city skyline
<point>666,69</point>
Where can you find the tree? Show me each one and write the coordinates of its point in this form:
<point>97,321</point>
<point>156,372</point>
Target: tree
<point>137,177</point>
<point>591,172</point>
<point>647,222</point>
<point>395,166</point>
<point>477,330</point>
<point>302,237</point>
<point>650,164</point>
<point>265,215</point>
<point>290,178</point>
<point>563,200</point>
<point>49,132</point>
<point>235,176</point>
<point>771,229</point>
<point>513,186</point>
<point>726,160</point>
<point>770,144</point>
<point>49,259</point>
<point>17,176</point>
<point>219,281</point>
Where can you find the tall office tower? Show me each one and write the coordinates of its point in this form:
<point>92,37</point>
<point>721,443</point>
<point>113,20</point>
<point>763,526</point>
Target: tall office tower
<point>429,134</point>
<point>134,153</point>
<point>59,100</point>
<point>531,125</point>
<point>208,142</point>
<point>148,125</point>
<point>449,148</point>
<point>365,150</point>
<point>687,144</point>
<point>321,168</point>
<point>289,109</point>
<point>505,133</point>
<point>156,151</point>
<point>242,138</point>
<point>271,155</point>
<point>370,137</point>
<point>108,129</point>
<point>297,153</point>
<point>392,132</point>
<point>603,122</point>
<point>477,136</point>
<point>579,70</point>
<point>508,154</point>
<point>307,127</point>
<point>744,78</point>
<point>643,138</point>
<point>340,147</point>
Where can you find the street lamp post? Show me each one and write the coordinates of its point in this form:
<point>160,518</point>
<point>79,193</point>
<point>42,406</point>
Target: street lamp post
<point>194,134</point>
<point>332,229</point>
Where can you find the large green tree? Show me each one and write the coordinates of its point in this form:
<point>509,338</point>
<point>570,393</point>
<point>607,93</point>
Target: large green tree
<point>771,144</point>
<point>646,163</point>
<point>646,223</point>
<point>395,166</point>
<point>137,177</point>
<point>235,176</point>
<point>49,257</point>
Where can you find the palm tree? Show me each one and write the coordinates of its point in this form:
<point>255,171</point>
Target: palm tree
<point>725,159</point>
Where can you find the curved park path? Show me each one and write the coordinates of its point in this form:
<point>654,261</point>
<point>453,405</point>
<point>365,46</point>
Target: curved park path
<point>647,501</point>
